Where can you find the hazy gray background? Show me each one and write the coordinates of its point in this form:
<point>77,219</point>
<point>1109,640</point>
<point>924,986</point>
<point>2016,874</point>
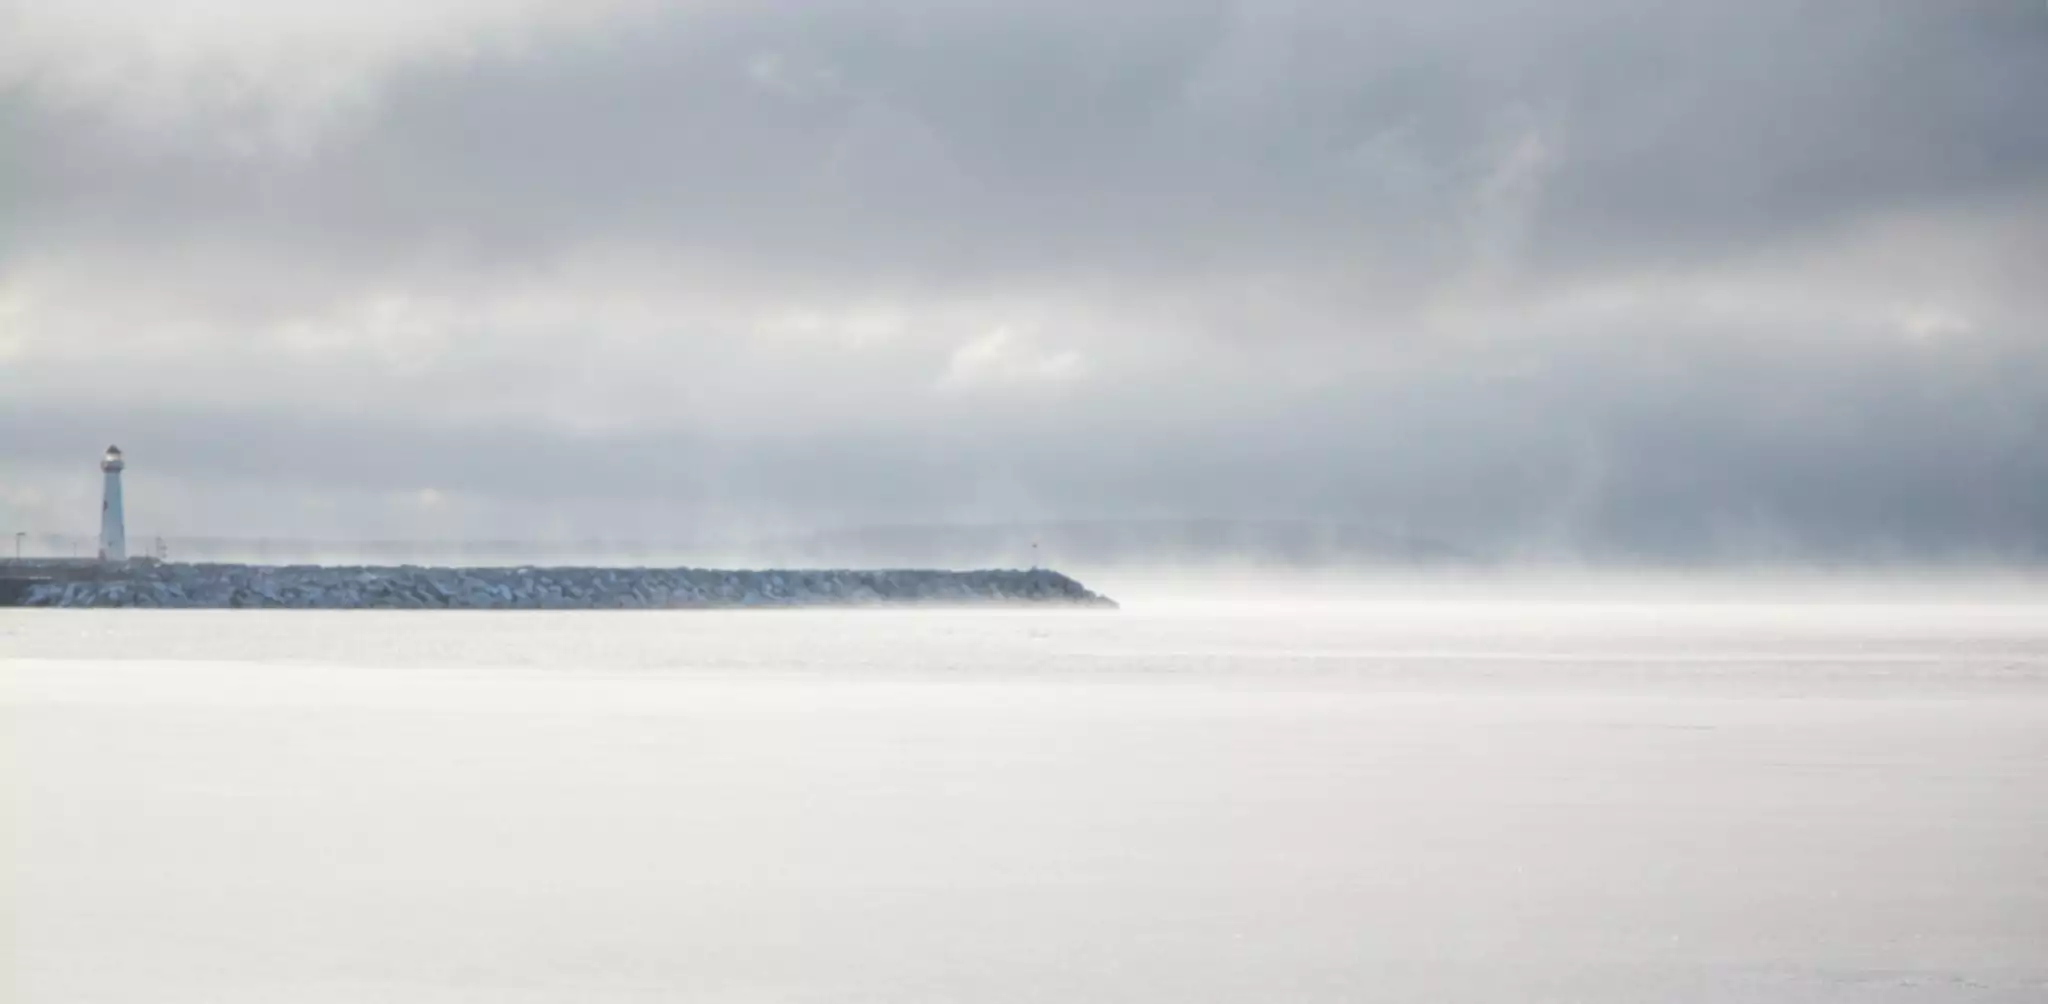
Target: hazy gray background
<point>1745,279</point>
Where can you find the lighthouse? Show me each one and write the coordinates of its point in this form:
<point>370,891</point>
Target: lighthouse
<point>113,531</point>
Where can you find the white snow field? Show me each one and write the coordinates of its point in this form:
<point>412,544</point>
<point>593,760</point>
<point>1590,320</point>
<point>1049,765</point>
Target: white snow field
<point>1340,802</point>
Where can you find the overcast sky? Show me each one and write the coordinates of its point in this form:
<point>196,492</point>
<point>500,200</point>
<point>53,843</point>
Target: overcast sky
<point>1568,277</point>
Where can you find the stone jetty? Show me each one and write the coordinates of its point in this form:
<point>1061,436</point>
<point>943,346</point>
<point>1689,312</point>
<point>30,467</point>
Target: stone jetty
<point>323,587</point>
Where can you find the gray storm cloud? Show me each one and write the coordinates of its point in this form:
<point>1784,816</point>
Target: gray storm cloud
<point>1591,277</point>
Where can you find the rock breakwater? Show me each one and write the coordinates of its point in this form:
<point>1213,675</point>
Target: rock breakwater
<point>206,586</point>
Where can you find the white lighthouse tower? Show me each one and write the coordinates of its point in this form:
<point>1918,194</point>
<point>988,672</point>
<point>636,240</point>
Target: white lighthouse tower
<point>113,529</point>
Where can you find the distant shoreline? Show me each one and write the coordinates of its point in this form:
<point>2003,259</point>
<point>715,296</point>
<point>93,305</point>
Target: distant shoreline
<point>154,584</point>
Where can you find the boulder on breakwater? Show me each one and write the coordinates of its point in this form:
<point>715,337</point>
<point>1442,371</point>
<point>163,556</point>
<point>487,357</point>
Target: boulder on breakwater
<point>321,587</point>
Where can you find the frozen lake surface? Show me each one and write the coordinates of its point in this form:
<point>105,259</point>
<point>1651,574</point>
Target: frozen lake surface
<point>1198,802</point>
